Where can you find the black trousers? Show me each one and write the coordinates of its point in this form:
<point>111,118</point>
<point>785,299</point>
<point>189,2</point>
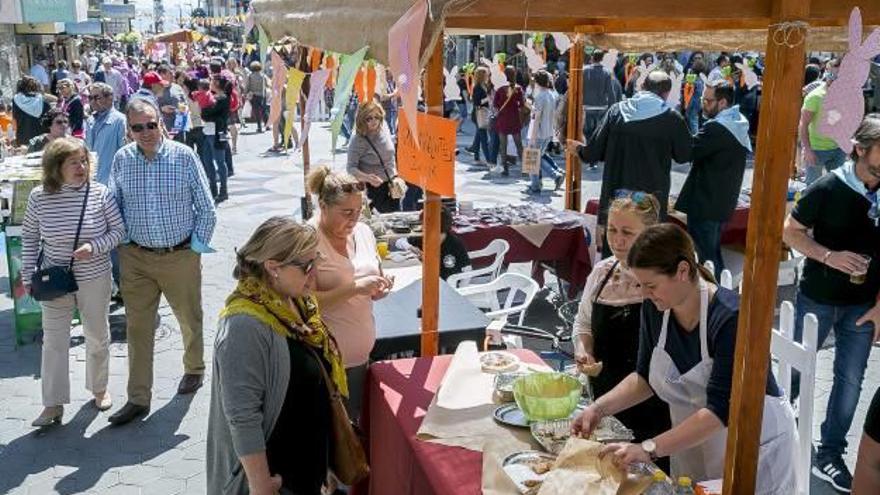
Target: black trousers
<point>380,199</point>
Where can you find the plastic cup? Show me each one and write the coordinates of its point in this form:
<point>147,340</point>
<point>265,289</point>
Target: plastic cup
<point>382,249</point>
<point>858,277</point>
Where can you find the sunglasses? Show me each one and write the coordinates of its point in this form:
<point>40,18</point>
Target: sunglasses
<point>371,118</point>
<point>640,198</point>
<point>140,127</point>
<point>308,266</point>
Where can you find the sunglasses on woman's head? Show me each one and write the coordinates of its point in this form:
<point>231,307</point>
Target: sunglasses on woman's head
<point>140,127</point>
<point>350,188</point>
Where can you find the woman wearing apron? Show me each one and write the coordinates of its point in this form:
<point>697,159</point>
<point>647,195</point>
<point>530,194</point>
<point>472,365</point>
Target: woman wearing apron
<point>686,347</point>
<point>609,316</point>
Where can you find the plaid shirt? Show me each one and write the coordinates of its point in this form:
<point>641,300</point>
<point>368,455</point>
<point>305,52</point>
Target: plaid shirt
<point>163,201</point>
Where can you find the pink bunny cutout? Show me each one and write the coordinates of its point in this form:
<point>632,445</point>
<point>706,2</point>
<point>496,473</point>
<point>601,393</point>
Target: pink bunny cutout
<point>844,105</point>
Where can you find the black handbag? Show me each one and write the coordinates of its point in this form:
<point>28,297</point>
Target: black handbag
<point>56,281</point>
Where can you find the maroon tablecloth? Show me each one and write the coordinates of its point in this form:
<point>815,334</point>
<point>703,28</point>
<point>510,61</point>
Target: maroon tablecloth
<point>396,397</point>
<point>732,234</point>
<point>566,251</point>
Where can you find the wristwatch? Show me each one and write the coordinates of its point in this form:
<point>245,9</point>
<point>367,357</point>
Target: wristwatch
<point>650,448</point>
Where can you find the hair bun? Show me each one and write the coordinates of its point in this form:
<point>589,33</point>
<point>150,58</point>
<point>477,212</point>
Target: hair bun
<point>316,178</point>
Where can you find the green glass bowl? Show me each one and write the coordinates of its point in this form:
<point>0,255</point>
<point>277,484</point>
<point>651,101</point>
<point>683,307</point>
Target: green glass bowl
<point>545,396</point>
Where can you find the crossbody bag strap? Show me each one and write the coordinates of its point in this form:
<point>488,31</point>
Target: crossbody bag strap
<point>79,225</point>
<point>509,96</point>
<point>381,161</point>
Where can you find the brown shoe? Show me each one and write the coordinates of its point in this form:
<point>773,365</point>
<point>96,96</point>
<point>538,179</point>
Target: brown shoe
<point>189,383</point>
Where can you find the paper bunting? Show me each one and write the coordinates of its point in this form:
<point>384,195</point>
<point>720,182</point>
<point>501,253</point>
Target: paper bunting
<point>317,80</point>
<point>404,42</point>
<point>248,21</point>
<point>264,43</point>
<point>279,73</point>
<point>295,79</point>
<point>347,71</point>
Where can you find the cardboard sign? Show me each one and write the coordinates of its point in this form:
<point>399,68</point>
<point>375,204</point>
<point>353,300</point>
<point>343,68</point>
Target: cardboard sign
<point>430,162</point>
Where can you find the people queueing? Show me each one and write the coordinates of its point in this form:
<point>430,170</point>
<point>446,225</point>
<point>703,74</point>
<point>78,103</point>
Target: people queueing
<point>638,139</point>
<point>835,226</point>
<point>711,191</point>
<point>169,217</point>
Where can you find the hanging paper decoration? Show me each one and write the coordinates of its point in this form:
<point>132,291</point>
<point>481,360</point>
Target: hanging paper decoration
<point>674,97</point>
<point>370,82</point>
<point>294,84</point>
<point>844,105</point>
<point>248,22</point>
<point>350,65</point>
<point>404,42</point>
<point>563,42</point>
<point>748,78</point>
<point>263,42</point>
<point>279,73</point>
<point>534,60</point>
<point>609,60</point>
<point>496,73</point>
<point>317,80</point>
<point>314,59</point>
<point>451,92</point>
<point>360,87</point>
<point>330,64</point>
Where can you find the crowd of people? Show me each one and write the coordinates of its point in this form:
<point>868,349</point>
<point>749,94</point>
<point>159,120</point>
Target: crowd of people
<point>297,330</point>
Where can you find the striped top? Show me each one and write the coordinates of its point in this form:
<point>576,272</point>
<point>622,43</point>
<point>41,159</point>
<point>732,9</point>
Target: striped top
<point>53,217</point>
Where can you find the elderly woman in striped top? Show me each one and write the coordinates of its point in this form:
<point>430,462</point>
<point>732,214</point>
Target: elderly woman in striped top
<point>50,225</point>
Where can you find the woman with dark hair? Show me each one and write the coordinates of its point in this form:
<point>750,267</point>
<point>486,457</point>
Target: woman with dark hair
<point>71,104</point>
<point>509,101</point>
<point>687,343</point>
<point>55,125</point>
<point>28,107</point>
<point>216,123</point>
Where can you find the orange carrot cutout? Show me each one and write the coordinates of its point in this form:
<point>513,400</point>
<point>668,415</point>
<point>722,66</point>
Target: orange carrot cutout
<point>314,59</point>
<point>688,95</point>
<point>359,86</point>
<point>371,81</point>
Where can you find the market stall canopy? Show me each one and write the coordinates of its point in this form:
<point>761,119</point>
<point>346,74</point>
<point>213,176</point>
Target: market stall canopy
<point>346,26</point>
<point>179,36</point>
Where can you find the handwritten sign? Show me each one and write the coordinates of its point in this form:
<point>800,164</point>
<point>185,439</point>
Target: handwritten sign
<point>430,162</point>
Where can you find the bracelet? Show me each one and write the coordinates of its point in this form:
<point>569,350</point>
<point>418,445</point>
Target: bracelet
<point>825,258</point>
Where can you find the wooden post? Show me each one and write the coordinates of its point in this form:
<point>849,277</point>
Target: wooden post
<point>780,110</point>
<point>431,242</point>
<point>306,206</point>
<point>573,130</point>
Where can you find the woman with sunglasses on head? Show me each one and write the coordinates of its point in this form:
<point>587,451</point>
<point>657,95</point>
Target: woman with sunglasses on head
<point>349,278</point>
<point>269,425</point>
<point>371,157</point>
<point>687,341</point>
<point>55,125</point>
<point>606,328</point>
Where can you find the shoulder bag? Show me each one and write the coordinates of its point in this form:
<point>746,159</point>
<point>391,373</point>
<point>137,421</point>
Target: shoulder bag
<point>396,185</point>
<point>56,281</point>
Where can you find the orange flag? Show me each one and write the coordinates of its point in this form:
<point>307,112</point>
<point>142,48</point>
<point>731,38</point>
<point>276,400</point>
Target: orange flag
<point>360,88</point>
<point>371,82</point>
<point>330,64</point>
<point>314,59</point>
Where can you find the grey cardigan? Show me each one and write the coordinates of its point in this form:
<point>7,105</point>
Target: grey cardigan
<point>361,156</point>
<point>251,374</point>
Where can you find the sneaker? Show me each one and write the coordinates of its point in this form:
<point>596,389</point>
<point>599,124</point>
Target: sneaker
<point>833,470</point>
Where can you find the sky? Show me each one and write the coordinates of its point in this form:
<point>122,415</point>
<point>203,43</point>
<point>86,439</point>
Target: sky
<point>173,8</point>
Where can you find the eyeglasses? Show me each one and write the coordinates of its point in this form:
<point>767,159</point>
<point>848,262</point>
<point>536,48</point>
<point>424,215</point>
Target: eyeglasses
<point>136,128</point>
<point>308,266</point>
<point>708,100</point>
<point>372,118</point>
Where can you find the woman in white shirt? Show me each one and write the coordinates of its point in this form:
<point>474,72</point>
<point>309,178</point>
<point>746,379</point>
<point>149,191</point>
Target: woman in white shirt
<point>606,328</point>
<point>349,278</point>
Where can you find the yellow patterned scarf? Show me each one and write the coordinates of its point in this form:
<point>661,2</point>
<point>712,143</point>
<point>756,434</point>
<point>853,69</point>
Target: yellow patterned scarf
<point>253,298</point>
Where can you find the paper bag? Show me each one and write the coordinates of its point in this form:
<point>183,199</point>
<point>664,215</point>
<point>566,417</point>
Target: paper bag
<point>531,163</point>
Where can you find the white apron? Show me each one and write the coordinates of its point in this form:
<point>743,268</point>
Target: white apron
<point>686,394</point>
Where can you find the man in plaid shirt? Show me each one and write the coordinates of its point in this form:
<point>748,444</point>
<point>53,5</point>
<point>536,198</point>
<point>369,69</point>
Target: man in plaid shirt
<point>163,194</point>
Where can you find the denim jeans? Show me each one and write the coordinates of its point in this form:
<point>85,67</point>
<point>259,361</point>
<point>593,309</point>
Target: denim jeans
<point>693,118</point>
<point>494,144</point>
<point>481,141</point>
<point>214,162</point>
<point>852,346</point>
<point>707,239</point>
<point>827,159</point>
<point>548,167</point>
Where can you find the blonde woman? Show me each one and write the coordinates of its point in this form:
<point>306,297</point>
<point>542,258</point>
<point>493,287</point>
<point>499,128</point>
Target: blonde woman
<point>51,227</point>
<point>606,328</point>
<point>371,157</point>
<point>481,116</point>
<point>349,278</point>
<point>269,425</point>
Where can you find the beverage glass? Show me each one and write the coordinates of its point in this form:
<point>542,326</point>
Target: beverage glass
<point>858,277</point>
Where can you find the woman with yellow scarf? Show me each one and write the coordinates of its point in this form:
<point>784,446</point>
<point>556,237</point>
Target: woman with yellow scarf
<point>269,428</point>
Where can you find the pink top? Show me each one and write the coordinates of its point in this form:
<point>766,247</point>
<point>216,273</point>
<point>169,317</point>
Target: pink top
<point>351,321</point>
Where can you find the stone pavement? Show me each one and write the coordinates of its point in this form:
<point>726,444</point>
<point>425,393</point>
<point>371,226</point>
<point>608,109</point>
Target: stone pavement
<point>164,454</point>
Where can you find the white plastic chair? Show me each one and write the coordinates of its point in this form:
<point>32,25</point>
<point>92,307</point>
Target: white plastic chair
<point>802,357</point>
<point>497,248</point>
<point>489,296</point>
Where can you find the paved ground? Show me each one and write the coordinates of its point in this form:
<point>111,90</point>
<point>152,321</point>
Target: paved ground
<point>164,454</point>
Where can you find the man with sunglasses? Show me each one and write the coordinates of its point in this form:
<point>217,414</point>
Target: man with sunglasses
<point>836,225</point>
<point>712,188</point>
<point>162,190</point>
<point>105,129</point>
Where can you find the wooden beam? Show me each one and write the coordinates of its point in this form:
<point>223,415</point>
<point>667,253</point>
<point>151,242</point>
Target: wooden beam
<point>777,129</point>
<point>575,125</point>
<point>431,243</point>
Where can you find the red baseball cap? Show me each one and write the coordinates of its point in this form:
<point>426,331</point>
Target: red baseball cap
<point>151,78</point>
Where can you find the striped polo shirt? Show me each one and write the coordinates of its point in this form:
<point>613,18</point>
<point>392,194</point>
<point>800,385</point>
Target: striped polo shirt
<point>53,217</point>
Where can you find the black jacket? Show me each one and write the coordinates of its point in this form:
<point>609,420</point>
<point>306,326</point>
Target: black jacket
<point>713,185</point>
<point>638,154</point>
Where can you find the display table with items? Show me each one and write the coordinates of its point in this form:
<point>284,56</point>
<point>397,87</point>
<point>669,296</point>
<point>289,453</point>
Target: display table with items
<point>557,240</point>
<point>493,423</point>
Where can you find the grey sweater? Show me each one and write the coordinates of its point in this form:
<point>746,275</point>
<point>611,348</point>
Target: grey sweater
<point>251,374</point>
<point>362,157</point>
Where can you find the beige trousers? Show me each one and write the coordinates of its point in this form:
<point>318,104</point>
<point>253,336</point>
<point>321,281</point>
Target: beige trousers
<point>146,276</point>
<point>93,302</point>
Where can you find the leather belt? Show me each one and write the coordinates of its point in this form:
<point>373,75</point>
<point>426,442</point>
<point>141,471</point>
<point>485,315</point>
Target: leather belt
<point>163,250</point>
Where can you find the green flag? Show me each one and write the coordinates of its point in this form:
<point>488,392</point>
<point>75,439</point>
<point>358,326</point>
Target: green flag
<point>344,82</point>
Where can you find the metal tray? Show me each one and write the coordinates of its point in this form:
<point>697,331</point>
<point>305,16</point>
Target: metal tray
<point>518,466</point>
